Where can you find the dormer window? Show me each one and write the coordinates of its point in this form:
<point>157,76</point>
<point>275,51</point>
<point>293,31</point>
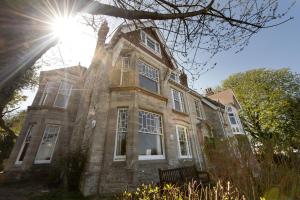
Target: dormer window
<point>234,120</point>
<point>175,77</point>
<point>149,42</point>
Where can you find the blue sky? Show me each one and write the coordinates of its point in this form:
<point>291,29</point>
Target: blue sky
<point>271,48</point>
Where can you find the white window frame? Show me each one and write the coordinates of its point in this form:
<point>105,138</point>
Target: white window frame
<point>188,146</point>
<point>47,161</point>
<point>125,66</point>
<point>234,127</point>
<point>181,101</point>
<point>45,93</point>
<point>68,95</point>
<point>144,39</point>
<point>156,79</point>
<point>28,133</point>
<point>119,157</point>
<point>176,75</point>
<point>155,157</point>
<point>199,106</point>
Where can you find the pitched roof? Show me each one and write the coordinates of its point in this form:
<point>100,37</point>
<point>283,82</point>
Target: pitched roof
<point>226,97</point>
<point>130,27</point>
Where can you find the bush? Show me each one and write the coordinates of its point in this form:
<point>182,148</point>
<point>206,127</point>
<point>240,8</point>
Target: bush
<point>270,177</point>
<point>68,170</point>
<point>73,166</point>
<point>190,191</point>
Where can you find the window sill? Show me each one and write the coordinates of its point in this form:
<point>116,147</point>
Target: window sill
<point>46,107</point>
<point>157,157</point>
<point>42,162</point>
<point>180,113</point>
<point>139,89</point>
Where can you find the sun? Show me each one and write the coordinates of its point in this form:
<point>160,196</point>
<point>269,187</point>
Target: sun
<point>76,40</point>
<point>66,29</point>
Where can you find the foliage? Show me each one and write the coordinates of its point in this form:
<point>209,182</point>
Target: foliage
<point>7,141</point>
<point>270,101</point>
<point>69,170</point>
<point>10,122</point>
<point>274,179</point>
<point>190,191</point>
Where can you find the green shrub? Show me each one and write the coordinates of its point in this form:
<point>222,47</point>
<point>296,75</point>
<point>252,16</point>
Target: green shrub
<point>190,191</point>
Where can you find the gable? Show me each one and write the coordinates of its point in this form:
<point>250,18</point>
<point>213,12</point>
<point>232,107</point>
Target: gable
<point>133,36</point>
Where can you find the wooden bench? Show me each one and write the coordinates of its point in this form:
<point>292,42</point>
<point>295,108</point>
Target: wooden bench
<point>182,175</point>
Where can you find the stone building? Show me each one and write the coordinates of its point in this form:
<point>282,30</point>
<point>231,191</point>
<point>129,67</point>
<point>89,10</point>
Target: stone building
<point>132,108</point>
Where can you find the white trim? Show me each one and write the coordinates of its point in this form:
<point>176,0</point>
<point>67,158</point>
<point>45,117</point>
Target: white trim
<point>29,130</point>
<point>145,43</point>
<point>119,157</point>
<point>154,157</point>
<point>140,61</point>
<point>47,161</point>
<point>123,68</point>
<point>188,146</point>
<point>209,104</point>
<point>200,106</point>
<point>45,93</point>
<point>181,101</point>
<point>69,94</point>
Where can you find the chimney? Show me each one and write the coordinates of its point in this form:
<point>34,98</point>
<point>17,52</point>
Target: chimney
<point>209,91</point>
<point>102,33</point>
<point>183,79</point>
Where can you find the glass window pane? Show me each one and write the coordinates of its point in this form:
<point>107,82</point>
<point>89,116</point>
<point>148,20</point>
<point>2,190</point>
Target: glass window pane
<point>150,144</point>
<point>232,118</point>
<point>183,142</point>
<point>61,101</point>
<point>150,134</point>
<point>48,143</point>
<point>148,84</point>
<point>121,144</point>
<point>121,132</point>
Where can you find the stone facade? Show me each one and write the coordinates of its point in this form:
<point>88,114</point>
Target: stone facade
<point>91,119</point>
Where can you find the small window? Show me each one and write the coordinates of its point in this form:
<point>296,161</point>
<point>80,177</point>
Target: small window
<point>178,101</point>
<point>122,130</point>
<point>174,77</point>
<point>150,136</point>
<point>49,87</point>
<point>63,95</point>
<point>232,118</point>
<point>149,77</point>
<point>125,63</point>
<point>150,42</point>
<point>24,146</point>
<point>183,142</point>
<point>199,110</point>
<point>47,146</point>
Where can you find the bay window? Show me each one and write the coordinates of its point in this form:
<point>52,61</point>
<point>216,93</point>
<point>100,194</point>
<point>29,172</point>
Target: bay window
<point>47,145</point>
<point>149,77</point>
<point>150,136</point>
<point>49,87</point>
<point>63,95</point>
<point>122,130</point>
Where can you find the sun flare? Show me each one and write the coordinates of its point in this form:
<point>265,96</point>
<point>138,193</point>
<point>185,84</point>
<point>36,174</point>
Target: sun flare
<point>65,28</point>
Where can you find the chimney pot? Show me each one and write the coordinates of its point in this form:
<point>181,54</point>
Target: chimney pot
<point>102,33</point>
